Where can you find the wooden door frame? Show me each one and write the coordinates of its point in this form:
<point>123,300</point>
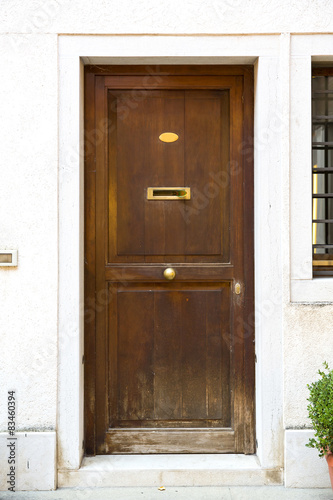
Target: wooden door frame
<point>92,303</point>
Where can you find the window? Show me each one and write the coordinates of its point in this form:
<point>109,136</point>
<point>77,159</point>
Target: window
<point>322,171</point>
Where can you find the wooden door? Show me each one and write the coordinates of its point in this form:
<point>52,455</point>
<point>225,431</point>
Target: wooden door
<point>169,363</point>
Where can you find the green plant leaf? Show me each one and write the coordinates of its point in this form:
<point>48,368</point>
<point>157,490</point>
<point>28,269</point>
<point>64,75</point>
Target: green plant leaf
<point>320,410</point>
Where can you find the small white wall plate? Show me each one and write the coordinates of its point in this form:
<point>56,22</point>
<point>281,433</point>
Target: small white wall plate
<point>8,258</point>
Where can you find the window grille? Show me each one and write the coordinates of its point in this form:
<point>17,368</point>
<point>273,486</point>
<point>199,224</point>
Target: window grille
<point>322,171</point>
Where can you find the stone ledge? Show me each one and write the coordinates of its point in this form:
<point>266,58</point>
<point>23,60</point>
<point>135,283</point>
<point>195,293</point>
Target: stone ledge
<point>170,470</point>
<point>303,467</point>
<point>35,461</point>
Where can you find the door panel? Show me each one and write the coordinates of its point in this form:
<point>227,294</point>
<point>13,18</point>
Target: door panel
<point>166,360</point>
<point>143,162</point>
<point>139,159</point>
<point>169,441</point>
<point>172,354</point>
<point>204,113</point>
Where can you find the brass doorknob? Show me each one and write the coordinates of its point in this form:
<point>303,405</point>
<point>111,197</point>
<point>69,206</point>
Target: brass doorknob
<point>169,273</point>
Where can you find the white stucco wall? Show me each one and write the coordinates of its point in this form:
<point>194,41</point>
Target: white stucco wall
<point>29,85</point>
<point>149,16</point>
<point>308,342</point>
<point>28,207</point>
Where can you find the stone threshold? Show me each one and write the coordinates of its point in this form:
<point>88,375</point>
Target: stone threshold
<point>169,470</point>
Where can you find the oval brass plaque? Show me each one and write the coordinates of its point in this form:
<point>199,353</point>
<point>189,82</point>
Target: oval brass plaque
<point>168,137</point>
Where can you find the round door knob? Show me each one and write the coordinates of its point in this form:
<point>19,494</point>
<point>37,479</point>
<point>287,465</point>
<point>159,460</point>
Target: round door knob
<point>169,273</point>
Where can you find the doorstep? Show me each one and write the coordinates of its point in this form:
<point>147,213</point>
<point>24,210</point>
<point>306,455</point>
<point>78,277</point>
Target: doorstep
<point>169,470</point>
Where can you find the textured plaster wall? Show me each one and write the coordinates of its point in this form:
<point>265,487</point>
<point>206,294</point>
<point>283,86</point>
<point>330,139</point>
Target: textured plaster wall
<point>28,183</point>
<point>308,341</point>
<point>28,221</point>
<point>174,16</point>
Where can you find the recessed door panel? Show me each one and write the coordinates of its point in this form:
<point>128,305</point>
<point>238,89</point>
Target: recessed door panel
<point>147,227</point>
<point>172,355</point>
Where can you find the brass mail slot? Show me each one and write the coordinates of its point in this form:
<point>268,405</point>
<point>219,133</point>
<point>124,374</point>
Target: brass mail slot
<point>168,193</point>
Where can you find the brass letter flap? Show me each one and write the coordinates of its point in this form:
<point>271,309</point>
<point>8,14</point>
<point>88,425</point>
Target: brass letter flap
<point>168,193</point>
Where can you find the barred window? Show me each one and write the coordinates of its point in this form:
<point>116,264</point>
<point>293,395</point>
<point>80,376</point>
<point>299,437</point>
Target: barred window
<point>322,171</point>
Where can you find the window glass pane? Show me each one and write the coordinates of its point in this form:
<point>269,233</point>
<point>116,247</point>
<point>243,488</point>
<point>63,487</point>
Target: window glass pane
<point>318,158</point>
<point>322,105</point>
<point>321,235</point>
<point>329,127</point>
<point>318,133</point>
<point>318,83</point>
<point>323,183</point>
<point>329,82</point>
<point>322,180</point>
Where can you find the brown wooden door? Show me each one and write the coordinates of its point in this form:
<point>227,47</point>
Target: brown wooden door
<point>169,363</point>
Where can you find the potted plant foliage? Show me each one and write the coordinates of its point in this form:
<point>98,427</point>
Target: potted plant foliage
<point>320,410</point>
